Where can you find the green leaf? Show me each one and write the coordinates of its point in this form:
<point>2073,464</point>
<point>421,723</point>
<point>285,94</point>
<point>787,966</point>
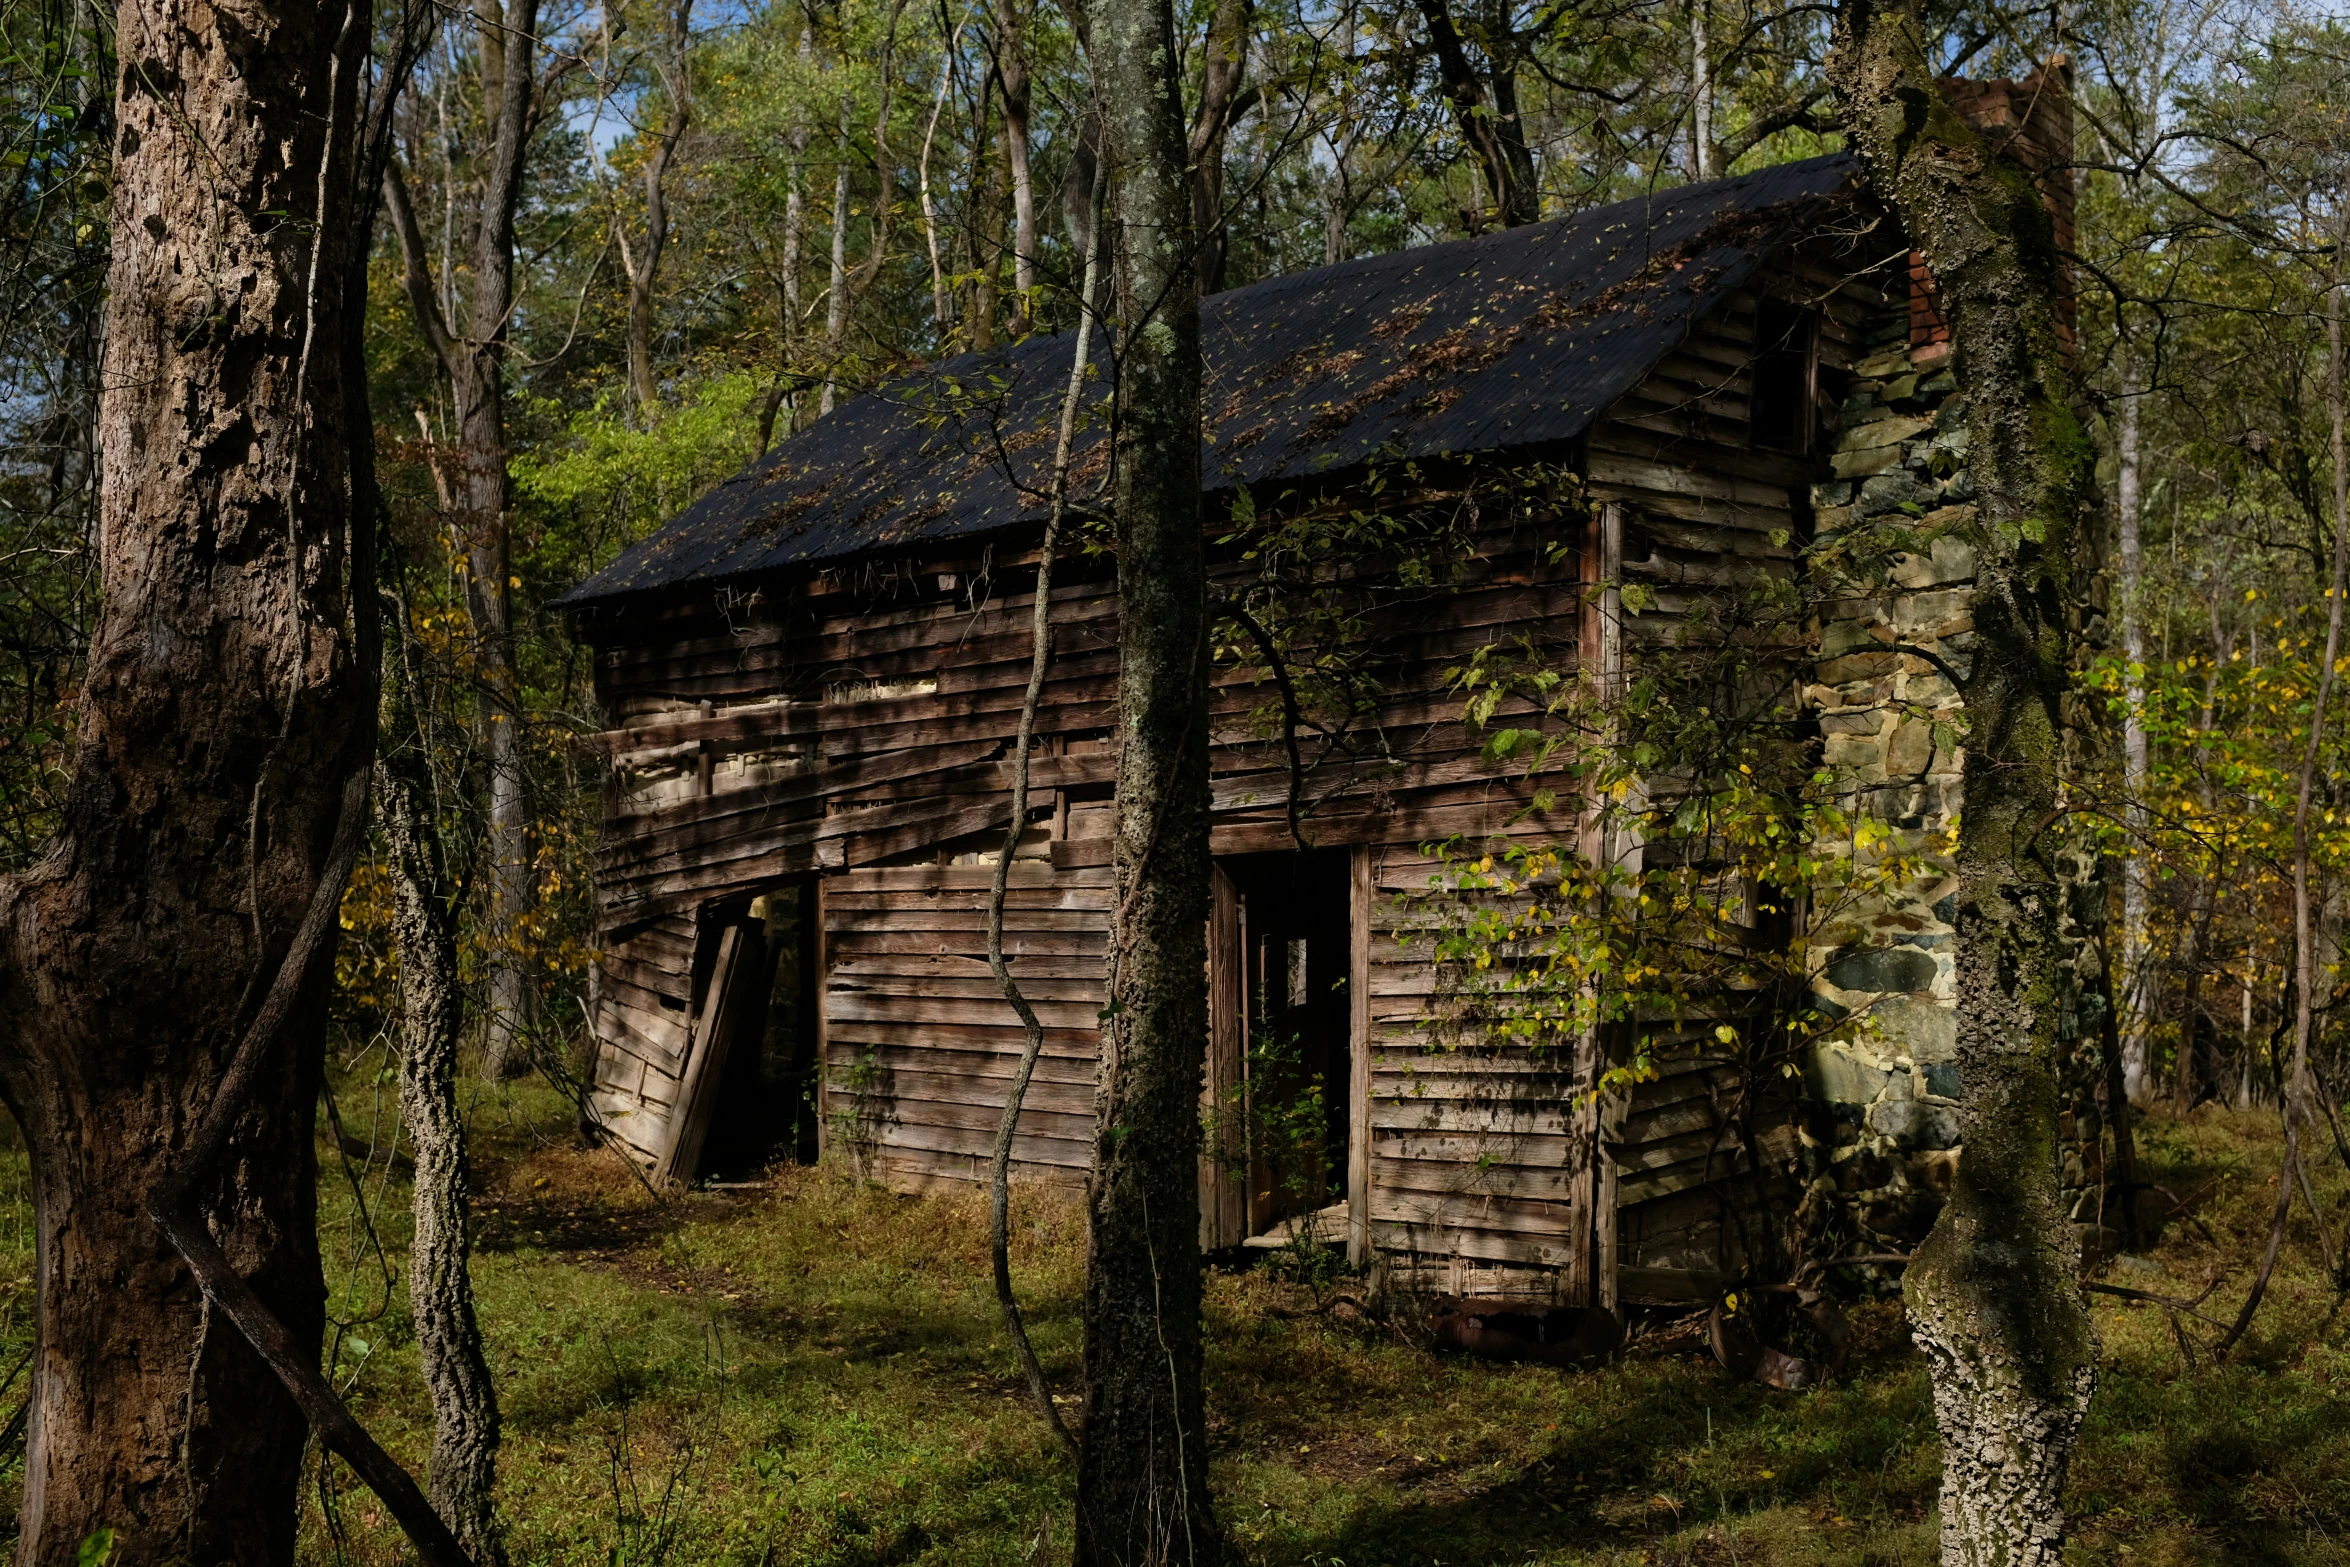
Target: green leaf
<point>97,1550</point>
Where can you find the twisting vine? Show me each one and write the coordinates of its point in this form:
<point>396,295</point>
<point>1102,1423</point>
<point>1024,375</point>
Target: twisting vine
<point>1040,654</point>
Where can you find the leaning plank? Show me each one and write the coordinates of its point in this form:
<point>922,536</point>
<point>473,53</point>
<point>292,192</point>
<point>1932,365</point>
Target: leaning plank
<point>713,1026</point>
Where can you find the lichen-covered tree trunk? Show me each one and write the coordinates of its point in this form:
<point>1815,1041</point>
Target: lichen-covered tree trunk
<point>432,1005</point>
<point>1994,1293</point>
<point>1142,1494</point>
<point>222,714</point>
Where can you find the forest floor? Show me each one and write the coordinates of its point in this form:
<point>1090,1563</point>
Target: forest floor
<point>809,1370</point>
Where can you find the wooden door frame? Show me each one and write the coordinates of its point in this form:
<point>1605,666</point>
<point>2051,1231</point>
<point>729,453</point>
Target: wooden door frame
<point>1591,1274</point>
<point>1358,1046</point>
<point>1224,1195</point>
<point>1223,1206</point>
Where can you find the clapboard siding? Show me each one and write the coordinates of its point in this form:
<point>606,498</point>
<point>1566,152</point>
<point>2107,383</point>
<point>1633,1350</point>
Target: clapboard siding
<point>856,725</point>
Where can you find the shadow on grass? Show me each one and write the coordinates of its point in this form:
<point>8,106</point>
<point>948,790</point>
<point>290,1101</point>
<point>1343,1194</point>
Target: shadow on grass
<point>1661,1456</point>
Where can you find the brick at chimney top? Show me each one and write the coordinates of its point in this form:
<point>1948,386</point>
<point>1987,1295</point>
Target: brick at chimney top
<point>2032,122</point>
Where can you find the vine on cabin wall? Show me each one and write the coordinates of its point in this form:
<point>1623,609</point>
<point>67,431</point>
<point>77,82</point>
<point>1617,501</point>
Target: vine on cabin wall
<point>1739,859</point>
<point>1750,859</point>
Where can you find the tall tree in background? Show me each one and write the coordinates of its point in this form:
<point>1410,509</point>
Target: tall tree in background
<point>643,263</point>
<point>1221,102</point>
<point>1485,107</point>
<point>2147,48</point>
<point>474,362</point>
<point>181,921</point>
<point>1994,1291</point>
<point>1142,1479</point>
<point>1009,41</point>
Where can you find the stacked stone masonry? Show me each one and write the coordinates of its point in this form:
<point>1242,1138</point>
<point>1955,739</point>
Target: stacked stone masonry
<point>1883,1147</point>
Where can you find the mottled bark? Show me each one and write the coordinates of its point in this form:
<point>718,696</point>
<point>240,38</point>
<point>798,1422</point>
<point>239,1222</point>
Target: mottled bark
<point>1142,1493</point>
<point>222,714</point>
<point>1993,1293</point>
<point>432,1017</point>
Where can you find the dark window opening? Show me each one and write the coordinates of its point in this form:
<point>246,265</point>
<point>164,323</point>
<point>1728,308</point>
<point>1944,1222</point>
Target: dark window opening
<point>766,1107</point>
<point>1782,412</point>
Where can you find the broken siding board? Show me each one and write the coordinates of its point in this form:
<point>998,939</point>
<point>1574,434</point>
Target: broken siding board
<point>1060,978</point>
<point>926,1129</point>
<point>958,1172</point>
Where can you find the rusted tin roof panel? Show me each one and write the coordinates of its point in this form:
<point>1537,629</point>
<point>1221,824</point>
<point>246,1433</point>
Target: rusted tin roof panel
<point>1514,339</point>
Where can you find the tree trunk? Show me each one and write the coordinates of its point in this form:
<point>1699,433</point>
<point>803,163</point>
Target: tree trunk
<point>480,395</point>
<point>1500,41</point>
<point>432,1018</point>
<point>848,284</point>
<point>643,269</point>
<point>223,712</point>
<point>795,234</point>
<point>474,364</point>
<point>2196,945</point>
<point>836,291</point>
<point>1701,94</point>
<point>1012,76</point>
<point>1220,103</point>
<point>2298,1090</point>
<point>1142,1494</point>
<point>1994,1293</point>
<point>1496,135</point>
<point>2135,980</point>
<point>987,207</point>
<point>424,930</point>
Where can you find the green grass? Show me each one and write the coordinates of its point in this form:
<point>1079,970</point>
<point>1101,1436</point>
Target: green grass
<point>812,1373</point>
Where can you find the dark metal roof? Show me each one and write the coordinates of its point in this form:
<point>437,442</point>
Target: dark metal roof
<point>1513,339</point>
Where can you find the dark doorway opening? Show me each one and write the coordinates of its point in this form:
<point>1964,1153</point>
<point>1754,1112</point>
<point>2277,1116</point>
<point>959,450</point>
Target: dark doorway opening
<point>766,1101</point>
<point>1290,927</point>
<point>1784,406</point>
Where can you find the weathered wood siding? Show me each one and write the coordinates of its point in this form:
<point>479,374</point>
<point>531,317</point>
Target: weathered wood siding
<point>856,725</point>
<point>862,736</point>
<point>1703,509</point>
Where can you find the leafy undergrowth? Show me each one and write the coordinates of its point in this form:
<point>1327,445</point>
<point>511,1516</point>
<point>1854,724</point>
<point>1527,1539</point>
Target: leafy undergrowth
<point>809,1370</point>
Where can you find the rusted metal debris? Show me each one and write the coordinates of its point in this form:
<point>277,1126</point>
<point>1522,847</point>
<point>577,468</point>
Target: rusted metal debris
<point>1754,1330</point>
<point>1523,1330</point>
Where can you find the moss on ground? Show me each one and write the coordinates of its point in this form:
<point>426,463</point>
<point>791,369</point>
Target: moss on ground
<point>809,1371</point>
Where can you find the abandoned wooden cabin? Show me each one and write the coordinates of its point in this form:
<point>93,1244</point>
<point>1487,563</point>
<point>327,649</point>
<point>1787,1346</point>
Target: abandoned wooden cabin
<point>811,680</point>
